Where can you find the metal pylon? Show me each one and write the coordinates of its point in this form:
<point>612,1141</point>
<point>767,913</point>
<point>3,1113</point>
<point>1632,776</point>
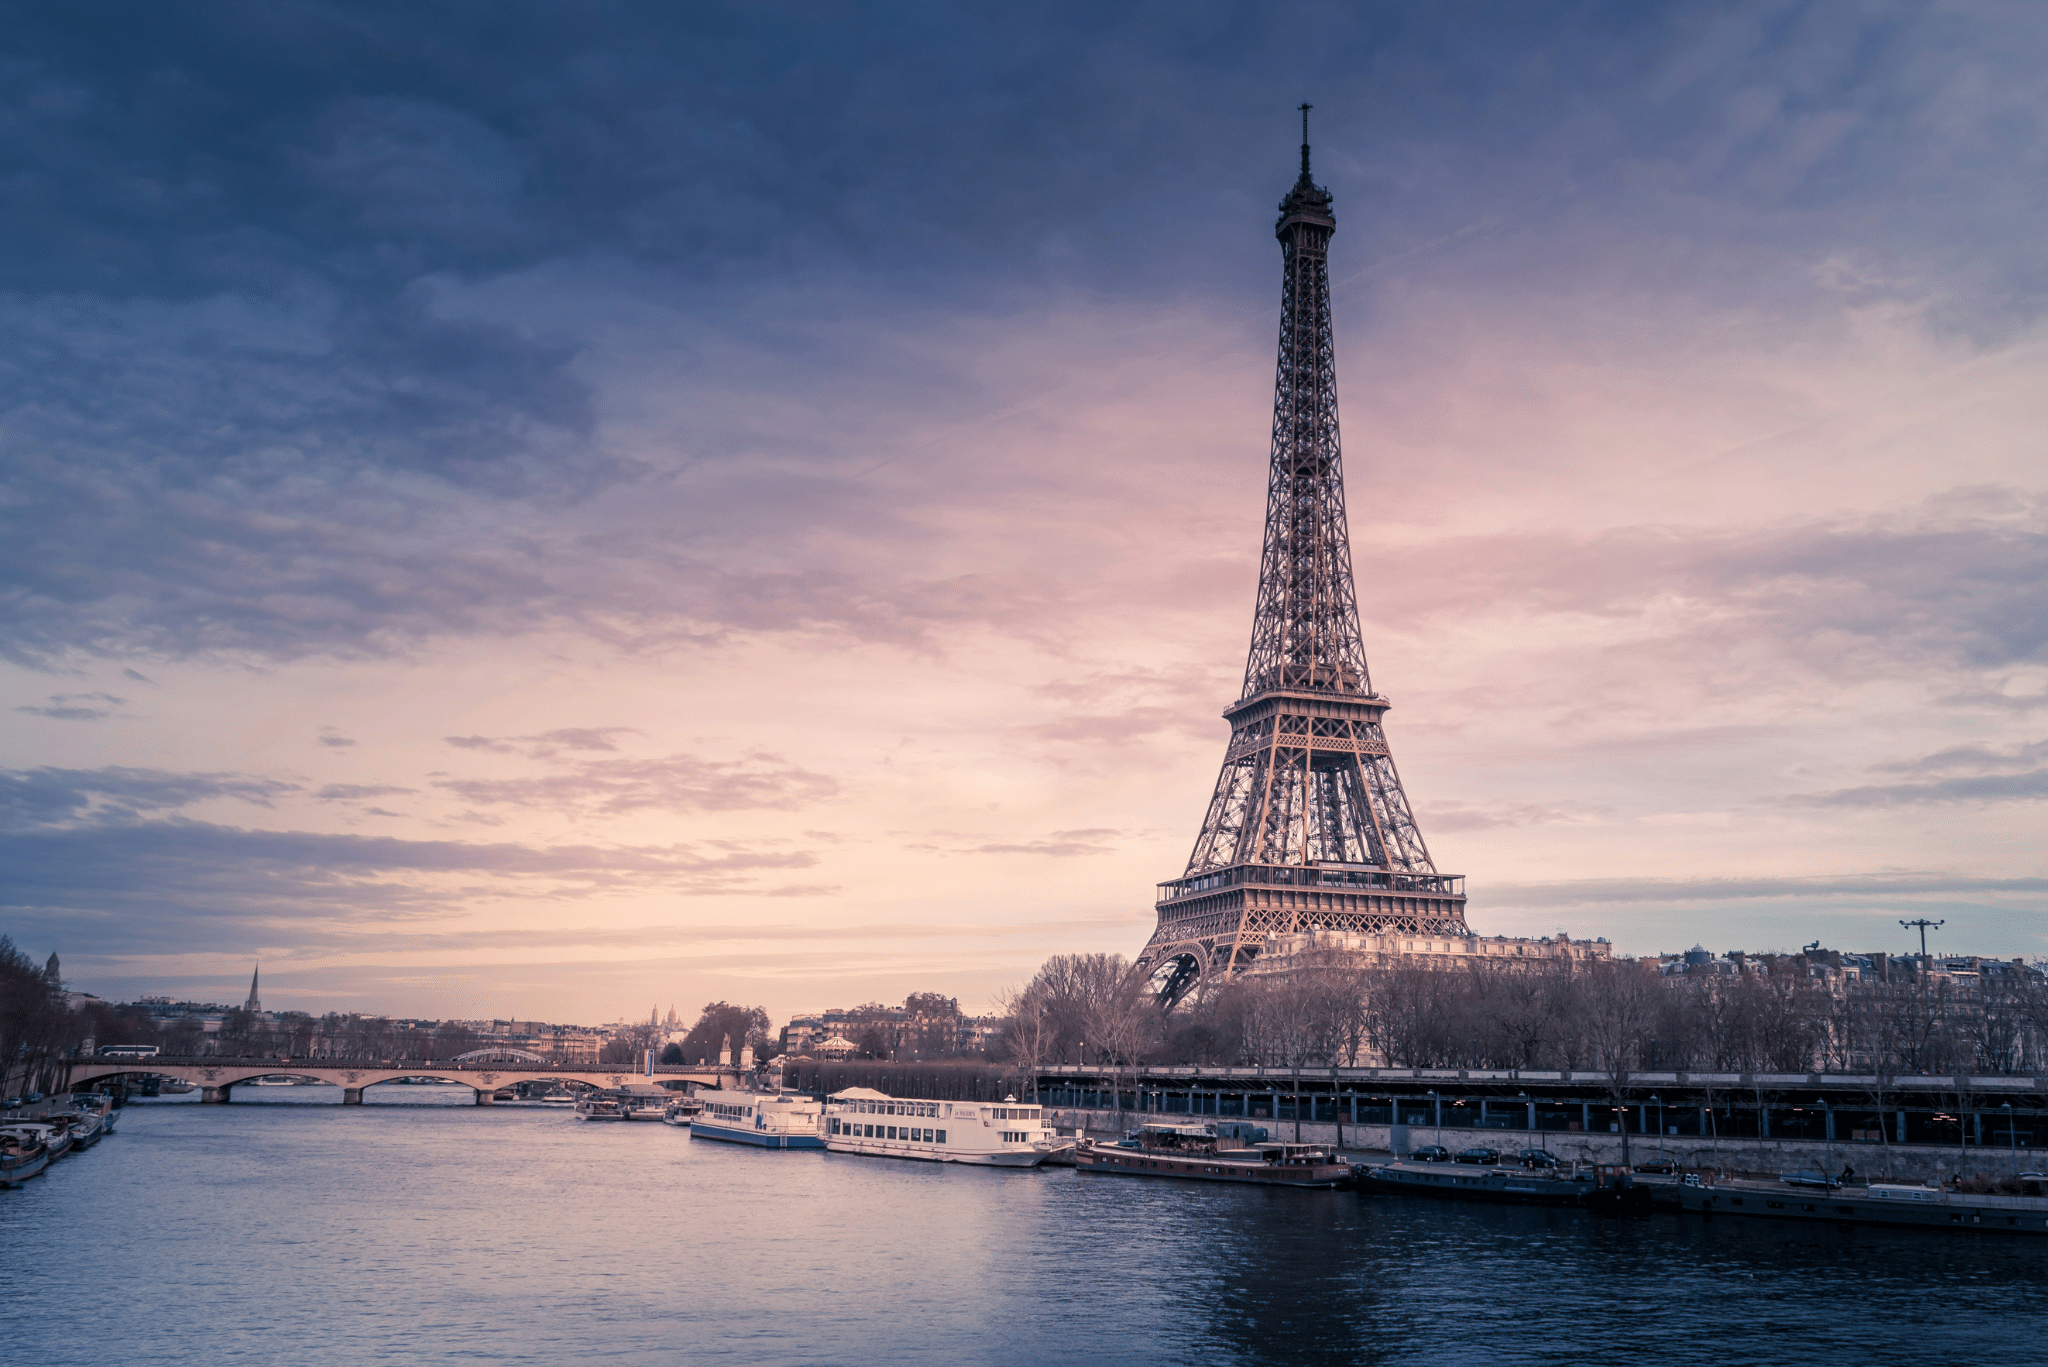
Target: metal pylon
<point>1308,828</point>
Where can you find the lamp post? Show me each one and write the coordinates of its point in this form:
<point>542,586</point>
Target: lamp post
<point>2011,1139</point>
<point>1436,1105</point>
<point>1827,1130</point>
<point>1658,1102</point>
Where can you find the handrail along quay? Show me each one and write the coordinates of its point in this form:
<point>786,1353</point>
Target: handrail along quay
<point>1996,1113</point>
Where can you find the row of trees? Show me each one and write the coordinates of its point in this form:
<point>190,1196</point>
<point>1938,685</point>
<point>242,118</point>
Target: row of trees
<point>718,1024</point>
<point>35,1023</point>
<point>1609,1016</point>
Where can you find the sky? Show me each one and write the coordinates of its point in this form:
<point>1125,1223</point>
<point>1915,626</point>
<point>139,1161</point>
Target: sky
<point>547,511</point>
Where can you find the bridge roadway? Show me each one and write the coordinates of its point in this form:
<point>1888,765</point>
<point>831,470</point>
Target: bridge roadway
<point>217,1077</point>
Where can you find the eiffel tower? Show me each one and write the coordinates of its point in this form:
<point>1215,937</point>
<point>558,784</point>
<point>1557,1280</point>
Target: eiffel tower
<point>1308,828</point>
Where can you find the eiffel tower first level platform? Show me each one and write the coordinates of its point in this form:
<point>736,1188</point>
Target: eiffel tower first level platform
<point>1308,828</point>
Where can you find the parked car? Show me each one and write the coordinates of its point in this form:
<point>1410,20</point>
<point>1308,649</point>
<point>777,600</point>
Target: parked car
<point>1480,1154</point>
<point>13,1103</point>
<point>1430,1153</point>
<point>1657,1165</point>
<point>1538,1158</point>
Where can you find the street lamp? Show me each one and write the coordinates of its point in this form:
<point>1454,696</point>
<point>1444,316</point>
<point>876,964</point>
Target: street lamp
<point>1827,1130</point>
<point>1436,1105</point>
<point>2011,1139</point>
<point>1658,1102</point>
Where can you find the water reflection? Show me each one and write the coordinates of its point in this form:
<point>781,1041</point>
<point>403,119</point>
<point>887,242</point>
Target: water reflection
<point>289,1228</point>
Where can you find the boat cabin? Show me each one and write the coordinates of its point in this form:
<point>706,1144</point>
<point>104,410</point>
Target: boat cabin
<point>1296,1155</point>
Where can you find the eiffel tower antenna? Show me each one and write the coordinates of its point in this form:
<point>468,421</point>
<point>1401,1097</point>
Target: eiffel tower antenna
<point>1308,828</point>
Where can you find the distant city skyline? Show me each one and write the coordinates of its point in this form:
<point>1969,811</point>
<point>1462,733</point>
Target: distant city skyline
<point>638,506</point>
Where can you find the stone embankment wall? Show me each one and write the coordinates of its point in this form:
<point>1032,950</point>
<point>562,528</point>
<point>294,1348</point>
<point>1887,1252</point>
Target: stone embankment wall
<point>1903,1162</point>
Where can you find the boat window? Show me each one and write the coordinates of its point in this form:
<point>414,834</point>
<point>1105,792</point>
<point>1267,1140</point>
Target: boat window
<point>942,1137</point>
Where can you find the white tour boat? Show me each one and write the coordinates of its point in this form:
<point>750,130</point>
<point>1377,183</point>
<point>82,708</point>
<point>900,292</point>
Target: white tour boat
<point>764,1119</point>
<point>999,1134</point>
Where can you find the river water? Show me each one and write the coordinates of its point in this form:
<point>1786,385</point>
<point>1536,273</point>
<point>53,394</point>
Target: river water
<point>287,1229</point>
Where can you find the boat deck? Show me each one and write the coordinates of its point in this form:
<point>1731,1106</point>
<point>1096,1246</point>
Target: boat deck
<point>1893,1206</point>
<point>1231,1165</point>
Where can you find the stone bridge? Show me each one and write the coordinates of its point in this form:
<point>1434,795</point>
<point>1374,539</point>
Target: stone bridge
<point>217,1077</point>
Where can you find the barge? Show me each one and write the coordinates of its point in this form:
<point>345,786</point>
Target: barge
<point>1196,1153</point>
<point>1605,1190</point>
<point>1884,1204</point>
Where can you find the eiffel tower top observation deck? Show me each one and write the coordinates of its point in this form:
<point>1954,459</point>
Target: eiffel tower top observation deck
<point>1308,828</point>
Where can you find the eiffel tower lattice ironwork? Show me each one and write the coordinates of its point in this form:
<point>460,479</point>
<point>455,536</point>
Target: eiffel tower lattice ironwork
<point>1308,828</point>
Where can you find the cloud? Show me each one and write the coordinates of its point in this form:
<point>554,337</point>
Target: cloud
<point>680,783</point>
<point>548,743</point>
<point>1970,759</point>
<point>2011,773</point>
<point>1996,699</point>
<point>67,707</point>
<point>357,792</point>
<point>334,740</point>
<point>2031,786</point>
<point>1483,816</point>
<point>315,390</point>
<point>1604,891</point>
<point>1953,582</point>
<point>164,885</point>
<point>49,796</point>
<point>1061,844</point>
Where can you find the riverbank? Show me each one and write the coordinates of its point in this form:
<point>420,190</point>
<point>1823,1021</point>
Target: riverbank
<point>1900,1162</point>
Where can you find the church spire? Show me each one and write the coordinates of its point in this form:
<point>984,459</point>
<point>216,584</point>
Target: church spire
<point>255,1003</point>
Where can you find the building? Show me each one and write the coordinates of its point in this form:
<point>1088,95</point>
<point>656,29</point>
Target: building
<point>1287,953</point>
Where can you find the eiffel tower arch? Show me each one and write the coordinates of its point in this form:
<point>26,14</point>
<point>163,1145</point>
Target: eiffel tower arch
<point>1308,828</point>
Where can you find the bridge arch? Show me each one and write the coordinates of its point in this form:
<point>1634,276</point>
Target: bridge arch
<point>218,1077</point>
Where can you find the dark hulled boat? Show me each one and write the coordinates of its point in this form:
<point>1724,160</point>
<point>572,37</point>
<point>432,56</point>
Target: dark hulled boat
<point>1894,1206</point>
<point>1195,1153</point>
<point>1605,1190</point>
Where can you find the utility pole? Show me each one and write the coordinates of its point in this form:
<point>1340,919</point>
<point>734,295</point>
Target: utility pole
<point>1923,925</point>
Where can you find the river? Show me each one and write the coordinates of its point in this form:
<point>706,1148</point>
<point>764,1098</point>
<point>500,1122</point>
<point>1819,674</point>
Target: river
<point>285,1228</point>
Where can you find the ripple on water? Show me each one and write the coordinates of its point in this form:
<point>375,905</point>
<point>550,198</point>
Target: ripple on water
<point>291,1229</point>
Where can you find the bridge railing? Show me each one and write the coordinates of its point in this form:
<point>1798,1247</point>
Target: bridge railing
<point>286,1062</point>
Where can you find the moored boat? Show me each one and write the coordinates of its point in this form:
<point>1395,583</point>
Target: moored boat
<point>1000,1134</point>
<point>1604,1189</point>
<point>766,1120</point>
<point>681,1111</point>
<point>1892,1205</point>
<point>85,1127</point>
<point>56,1139</point>
<point>1197,1153</point>
<point>595,1105</point>
<point>20,1160</point>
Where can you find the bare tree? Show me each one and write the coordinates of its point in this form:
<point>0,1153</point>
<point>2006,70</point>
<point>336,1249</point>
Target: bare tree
<point>1622,1001</point>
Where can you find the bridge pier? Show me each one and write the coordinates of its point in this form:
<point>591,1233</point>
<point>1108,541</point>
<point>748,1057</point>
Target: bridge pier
<point>484,1095</point>
<point>351,1096</point>
<point>214,1096</point>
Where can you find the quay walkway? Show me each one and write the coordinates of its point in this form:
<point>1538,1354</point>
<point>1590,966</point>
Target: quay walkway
<point>1958,1114</point>
<point>217,1076</point>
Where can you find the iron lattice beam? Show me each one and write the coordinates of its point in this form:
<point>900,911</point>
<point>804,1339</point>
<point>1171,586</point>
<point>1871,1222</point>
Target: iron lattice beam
<point>1307,780</point>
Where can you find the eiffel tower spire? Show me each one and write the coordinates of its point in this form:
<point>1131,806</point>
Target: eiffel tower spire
<point>1308,828</point>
